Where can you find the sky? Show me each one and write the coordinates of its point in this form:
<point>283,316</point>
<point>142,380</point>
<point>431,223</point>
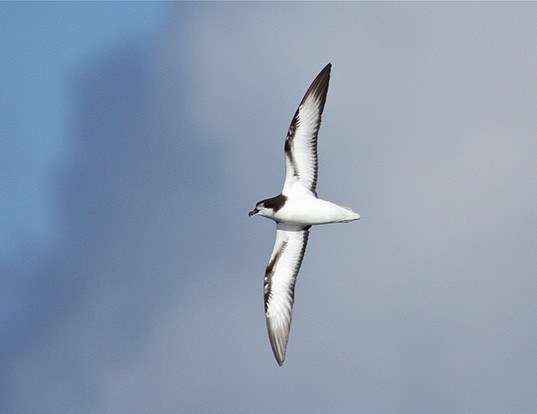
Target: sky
<point>135,138</point>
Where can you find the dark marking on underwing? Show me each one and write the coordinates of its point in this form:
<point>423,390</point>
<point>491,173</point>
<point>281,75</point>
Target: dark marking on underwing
<point>293,126</point>
<point>291,156</point>
<point>269,272</point>
<point>316,91</point>
<point>288,147</point>
<point>305,237</point>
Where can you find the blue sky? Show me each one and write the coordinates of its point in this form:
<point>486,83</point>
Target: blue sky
<point>138,136</point>
<point>44,45</point>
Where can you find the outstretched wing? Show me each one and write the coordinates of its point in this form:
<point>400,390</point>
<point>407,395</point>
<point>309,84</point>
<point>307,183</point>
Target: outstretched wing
<point>301,142</point>
<point>279,286</point>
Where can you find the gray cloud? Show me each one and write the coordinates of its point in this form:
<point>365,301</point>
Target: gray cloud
<point>152,300</point>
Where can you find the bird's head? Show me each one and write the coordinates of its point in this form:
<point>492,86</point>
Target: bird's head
<point>269,206</point>
<point>261,209</point>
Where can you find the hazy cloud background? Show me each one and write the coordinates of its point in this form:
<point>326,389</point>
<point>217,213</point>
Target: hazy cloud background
<point>135,138</point>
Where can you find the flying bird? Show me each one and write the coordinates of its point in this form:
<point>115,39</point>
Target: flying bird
<point>295,210</point>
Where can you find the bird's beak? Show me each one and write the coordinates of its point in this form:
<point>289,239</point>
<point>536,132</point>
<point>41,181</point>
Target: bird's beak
<point>253,212</point>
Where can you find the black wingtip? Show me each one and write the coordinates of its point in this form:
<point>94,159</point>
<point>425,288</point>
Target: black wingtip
<point>279,355</point>
<point>319,86</point>
<point>325,72</point>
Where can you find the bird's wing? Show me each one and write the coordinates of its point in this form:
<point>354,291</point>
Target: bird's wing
<point>279,285</point>
<point>301,142</point>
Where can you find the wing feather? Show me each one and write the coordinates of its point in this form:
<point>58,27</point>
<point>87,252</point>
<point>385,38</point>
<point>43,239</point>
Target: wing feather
<point>301,162</point>
<point>279,286</point>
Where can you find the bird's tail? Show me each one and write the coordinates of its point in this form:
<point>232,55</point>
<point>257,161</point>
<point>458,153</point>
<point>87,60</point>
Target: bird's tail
<point>348,215</point>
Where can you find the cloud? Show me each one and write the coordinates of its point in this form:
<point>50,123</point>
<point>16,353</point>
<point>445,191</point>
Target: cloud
<point>151,302</point>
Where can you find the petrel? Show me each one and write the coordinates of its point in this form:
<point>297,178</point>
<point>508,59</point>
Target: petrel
<point>295,210</point>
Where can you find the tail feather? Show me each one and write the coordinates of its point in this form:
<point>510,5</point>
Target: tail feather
<point>349,215</point>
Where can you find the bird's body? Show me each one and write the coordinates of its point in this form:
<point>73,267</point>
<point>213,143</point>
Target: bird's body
<point>295,210</point>
<point>303,208</point>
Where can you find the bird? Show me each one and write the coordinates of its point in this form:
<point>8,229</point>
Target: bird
<point>295,210</point>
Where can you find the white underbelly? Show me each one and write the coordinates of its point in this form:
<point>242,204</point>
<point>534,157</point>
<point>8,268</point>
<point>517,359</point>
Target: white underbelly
<point>311,210</point>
